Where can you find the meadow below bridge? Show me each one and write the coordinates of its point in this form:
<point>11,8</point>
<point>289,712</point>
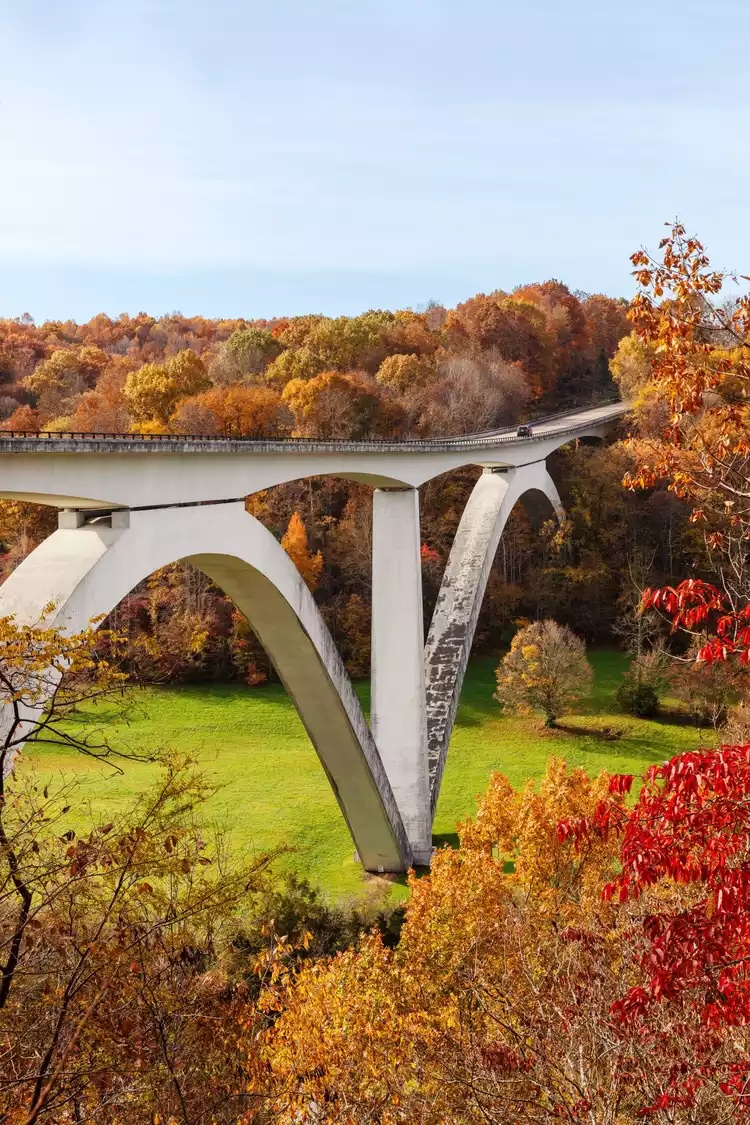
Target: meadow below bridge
<point>274,792</point>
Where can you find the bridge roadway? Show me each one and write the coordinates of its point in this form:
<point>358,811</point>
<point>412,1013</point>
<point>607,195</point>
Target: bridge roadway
<point>129,471</point>
<point>130,505</point>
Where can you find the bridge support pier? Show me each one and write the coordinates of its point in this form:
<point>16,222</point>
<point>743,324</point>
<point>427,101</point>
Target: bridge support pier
<point>398,713</point>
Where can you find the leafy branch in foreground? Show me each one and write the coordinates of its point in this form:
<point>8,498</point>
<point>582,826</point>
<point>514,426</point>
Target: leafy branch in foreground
<point>46,675</point>
<point>113,1002</point>
<point>698,345</point>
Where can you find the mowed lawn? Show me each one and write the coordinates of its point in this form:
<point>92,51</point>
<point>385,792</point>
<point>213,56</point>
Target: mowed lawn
<point>273,791</point>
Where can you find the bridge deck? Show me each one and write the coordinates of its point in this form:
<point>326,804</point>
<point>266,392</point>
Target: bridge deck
<point>568,423</point>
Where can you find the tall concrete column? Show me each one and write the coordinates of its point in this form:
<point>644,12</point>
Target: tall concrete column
<point>398,710</point>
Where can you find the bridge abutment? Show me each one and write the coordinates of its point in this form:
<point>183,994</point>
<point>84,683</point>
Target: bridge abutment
<point>398,713</point>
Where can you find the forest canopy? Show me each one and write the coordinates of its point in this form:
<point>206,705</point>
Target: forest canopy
<point>440,371</point>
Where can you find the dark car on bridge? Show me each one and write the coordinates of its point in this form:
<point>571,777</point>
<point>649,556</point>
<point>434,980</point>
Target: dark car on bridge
<point>524,431</point>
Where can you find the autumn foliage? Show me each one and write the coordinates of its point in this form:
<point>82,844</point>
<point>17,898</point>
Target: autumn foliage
<point>575,959</point>
<point>109,1010</point>
<point>373,373</point>
<point>694,416</point>
<point>583,955</point>
<point>296,546</point>
<point>580,956</point>
<point>491,362</point>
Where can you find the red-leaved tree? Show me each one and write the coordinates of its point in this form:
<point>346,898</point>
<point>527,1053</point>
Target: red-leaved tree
<point>685,864</point>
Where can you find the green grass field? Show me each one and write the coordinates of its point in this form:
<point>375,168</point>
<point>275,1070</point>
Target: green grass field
<point>274,792</point>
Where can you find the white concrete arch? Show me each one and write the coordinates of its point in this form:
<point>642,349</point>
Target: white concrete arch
<point>459,601</point>
<point>87,570</point>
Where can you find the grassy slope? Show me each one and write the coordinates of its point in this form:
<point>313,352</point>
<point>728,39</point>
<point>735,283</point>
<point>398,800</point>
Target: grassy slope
<point>275,793</point>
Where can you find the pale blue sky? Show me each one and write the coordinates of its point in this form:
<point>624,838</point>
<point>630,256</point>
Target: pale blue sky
<point>239,158</point>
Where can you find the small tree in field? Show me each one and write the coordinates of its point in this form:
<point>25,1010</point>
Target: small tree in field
<point>546,670</point>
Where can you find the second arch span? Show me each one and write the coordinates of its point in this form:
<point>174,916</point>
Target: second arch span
<point>459,601</point>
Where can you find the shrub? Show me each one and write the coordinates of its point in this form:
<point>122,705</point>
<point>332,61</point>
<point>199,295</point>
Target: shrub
<point>638,698</point>
<point>709,690</point>
<point>644,684</point>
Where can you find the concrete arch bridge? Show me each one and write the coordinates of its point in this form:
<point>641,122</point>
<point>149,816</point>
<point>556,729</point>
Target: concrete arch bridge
<point>129,505</point>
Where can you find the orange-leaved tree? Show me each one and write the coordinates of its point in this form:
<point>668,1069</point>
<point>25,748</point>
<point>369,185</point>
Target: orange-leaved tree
<point>332,405</point>
<point>295,543</point>
<point>236,411</point>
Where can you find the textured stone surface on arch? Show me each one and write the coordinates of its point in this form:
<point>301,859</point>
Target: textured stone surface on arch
<point>459,601</point>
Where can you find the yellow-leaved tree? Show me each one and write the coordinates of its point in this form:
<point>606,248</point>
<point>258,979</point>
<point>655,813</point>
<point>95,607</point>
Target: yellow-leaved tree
<point>400,372</point>
<point>545,671</point>
<point>154,390</point>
